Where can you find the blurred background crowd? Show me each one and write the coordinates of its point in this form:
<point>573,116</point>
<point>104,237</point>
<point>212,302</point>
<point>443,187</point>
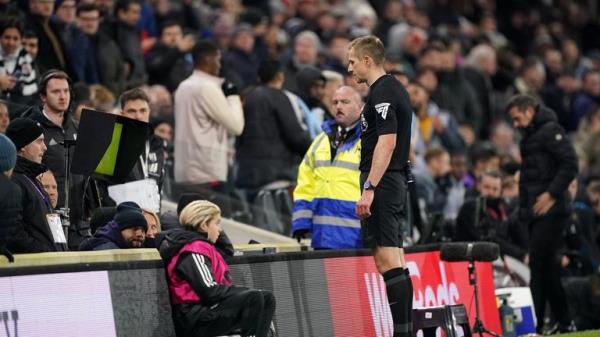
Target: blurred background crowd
<point>460,61</point>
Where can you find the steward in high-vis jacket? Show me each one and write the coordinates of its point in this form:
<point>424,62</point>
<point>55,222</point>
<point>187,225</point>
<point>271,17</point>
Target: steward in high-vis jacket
<point>328,179</point>
<point>205,303</point>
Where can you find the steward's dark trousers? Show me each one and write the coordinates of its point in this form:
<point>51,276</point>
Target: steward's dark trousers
<point>249,312</point>
<point>544,263</point>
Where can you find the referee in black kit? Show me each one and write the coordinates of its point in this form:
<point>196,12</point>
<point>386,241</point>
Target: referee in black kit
<point>386,123</point>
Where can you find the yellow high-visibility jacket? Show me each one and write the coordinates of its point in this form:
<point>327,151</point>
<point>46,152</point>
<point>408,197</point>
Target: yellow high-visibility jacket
<point>327,191</point>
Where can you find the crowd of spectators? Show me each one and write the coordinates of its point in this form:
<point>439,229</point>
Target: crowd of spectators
<point>235,91</point>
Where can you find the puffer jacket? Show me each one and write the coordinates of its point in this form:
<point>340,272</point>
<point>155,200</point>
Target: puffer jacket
<point>549,165</point>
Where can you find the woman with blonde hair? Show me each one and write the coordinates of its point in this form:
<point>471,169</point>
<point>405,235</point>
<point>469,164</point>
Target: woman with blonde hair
<point>153,223</point>
<point>205,303</point>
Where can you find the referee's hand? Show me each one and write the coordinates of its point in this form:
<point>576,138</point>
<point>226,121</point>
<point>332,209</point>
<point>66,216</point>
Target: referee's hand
<point>363,206</point>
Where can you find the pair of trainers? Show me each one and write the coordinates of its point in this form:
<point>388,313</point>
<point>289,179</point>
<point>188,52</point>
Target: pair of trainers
<point>557,328</point>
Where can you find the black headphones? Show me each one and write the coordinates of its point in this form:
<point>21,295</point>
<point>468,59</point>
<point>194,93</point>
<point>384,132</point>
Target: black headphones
<point>54,73</point>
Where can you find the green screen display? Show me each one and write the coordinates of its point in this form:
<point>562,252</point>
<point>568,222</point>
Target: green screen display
<point>109,160</point>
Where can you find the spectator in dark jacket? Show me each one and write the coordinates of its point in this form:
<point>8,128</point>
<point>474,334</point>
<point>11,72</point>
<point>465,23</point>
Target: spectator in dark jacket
<point>586,98</point>
<point>166,62</point>
<point>123,30</point>
<point>486,218</point>
<point>54,117</point>
<point>126,230</point>
<point>52,54</point>
<point>81,57</point>
<point>481,66</point>
<point>204,300</point>
<point>104,51</point>
<point>593,192</point>
<point>558,97</point>
<point>455,94</point>
<point>311,89</point>
<point>306,49</point>
<point>272,143</point>
<point>10,194</point>
<point>430,180</point>
<point>241,57</point>
<point>548,166</point>
<point>580,255</point>
<point>31,45</point>
<point>39,228</point>
<point>337,50</point>
<point>135,104</point>
<point>55,93</point>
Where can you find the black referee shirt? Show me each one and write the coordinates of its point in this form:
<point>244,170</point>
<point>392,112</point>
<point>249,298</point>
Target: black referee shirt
<point>387,110</point>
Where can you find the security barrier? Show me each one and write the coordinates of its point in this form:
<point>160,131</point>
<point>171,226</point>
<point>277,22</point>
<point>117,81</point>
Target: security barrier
<point>319,294</point>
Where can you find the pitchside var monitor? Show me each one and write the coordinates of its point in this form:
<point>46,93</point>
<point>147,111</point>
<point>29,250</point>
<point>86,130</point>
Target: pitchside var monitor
<point>108,145</point>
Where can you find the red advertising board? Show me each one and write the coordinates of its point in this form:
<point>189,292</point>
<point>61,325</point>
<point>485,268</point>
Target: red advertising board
<point>358,297</point>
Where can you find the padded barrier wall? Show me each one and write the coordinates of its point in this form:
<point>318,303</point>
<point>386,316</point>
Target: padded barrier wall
<point>319,294</point>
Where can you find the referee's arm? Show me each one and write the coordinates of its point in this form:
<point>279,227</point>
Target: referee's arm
<point>381,157</point>
<point>381,160</point>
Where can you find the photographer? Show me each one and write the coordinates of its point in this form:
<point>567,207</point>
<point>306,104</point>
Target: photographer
<point>485,218</point>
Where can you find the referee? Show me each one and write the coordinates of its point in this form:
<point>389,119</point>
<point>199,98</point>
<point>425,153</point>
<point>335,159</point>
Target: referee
<point>385,121</point>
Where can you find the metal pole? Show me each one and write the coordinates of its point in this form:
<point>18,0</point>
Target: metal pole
<point>66,211</point>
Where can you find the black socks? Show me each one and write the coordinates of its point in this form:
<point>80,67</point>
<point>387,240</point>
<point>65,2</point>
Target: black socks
<point>400,295</point>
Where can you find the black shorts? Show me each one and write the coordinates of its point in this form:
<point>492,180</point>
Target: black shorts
<point>388,211</point>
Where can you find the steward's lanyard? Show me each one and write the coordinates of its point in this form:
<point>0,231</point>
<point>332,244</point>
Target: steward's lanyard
<point>44,196</point>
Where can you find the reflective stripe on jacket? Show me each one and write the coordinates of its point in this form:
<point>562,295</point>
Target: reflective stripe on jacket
<point>327,191</point>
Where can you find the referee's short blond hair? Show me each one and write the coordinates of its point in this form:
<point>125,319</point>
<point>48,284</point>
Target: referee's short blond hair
<point>368,46</point>
<point>197,213</point>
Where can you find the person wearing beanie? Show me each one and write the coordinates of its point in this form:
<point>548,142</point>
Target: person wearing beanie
<point>203,298</point>
<point>39,226</point>
<point>126,230</point>
<point>10,194</point>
